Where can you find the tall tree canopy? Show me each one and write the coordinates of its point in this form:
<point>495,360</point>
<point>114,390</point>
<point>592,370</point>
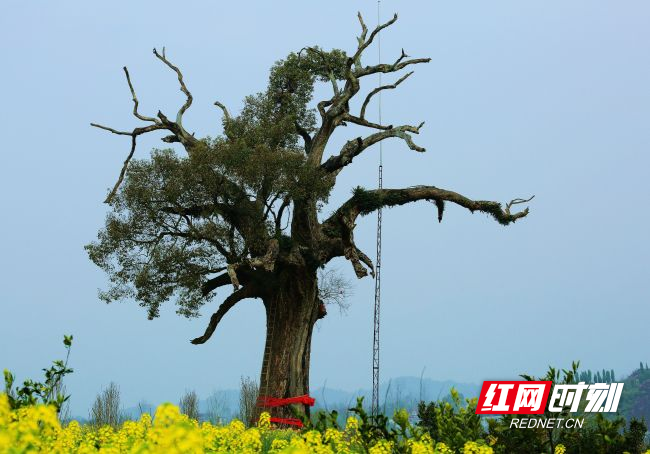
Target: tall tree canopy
<point>242,210</point>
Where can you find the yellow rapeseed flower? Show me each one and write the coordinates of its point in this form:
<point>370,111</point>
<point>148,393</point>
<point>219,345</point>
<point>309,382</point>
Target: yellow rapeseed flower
<point>442,448</point>
<point>5,410</point>
<point>36,429</point>
<point>264,422</point>
<point>381,447</point>
<point>471,447</point>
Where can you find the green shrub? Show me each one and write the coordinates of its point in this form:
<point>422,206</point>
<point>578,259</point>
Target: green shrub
<point>453,421</point>
<point>48,392</point>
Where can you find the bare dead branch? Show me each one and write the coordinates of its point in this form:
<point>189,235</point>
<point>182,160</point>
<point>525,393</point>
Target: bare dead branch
<point>226,114</point>
<point>516,202</point>
<point>135,100</point>
<point>162,122</point>
<point>114,131</point>
<point>188,101</point>
<point>401,57</point>
<point>363,122</point>
<point>135,133</point>
<point>357,257</point>
<point>363,42</point>
<point>336,111</point>
<point>388,68</point>
<point>349,249</point>
<point>334,289</point>
<point>362,114</point>
<point>111,194</point>
<point>354,147</point>
<point>366,261</point>
<point>352,254</point>
<point>364,29</point>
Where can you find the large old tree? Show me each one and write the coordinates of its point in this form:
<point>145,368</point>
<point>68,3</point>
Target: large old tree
<point>240,212</point>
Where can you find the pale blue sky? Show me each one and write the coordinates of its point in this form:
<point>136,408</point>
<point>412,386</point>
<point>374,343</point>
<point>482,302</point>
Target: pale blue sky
<point>550,98</point>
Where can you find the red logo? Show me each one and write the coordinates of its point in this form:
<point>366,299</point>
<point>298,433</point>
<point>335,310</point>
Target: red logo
<point>513,397</point>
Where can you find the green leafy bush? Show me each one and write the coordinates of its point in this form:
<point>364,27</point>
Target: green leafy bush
<point>48,392</point>
<point>452,421</point>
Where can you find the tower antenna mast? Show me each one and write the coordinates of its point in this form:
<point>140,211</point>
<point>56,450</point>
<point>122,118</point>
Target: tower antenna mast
<point>375,337</point>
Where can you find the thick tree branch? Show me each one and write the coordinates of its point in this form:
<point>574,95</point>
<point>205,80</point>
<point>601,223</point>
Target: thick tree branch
<point>354,147</point>
<point>338,229</point>
<point>321,107</point>
<point>364,202</point>
<point>215,283</point>
<point>234,298</point>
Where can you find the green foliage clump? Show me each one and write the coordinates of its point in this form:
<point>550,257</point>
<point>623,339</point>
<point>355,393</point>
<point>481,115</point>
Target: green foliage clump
<point>367,201</point>
<point>602,435</point>
<point>375,432</point>
<point>599,435</point>
<point>176,221</point>
<point>453,422</point>
<point>48,392</point>
<point>269,118</point>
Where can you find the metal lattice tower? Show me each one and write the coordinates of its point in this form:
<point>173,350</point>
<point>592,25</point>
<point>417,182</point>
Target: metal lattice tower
<point>375,337</point>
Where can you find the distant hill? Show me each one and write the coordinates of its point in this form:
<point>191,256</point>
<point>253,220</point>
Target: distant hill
<point>406,392</point>
<point>635,399</point>
<point>402,392</point>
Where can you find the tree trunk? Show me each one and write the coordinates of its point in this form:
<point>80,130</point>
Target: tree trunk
<point>291,311</point>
